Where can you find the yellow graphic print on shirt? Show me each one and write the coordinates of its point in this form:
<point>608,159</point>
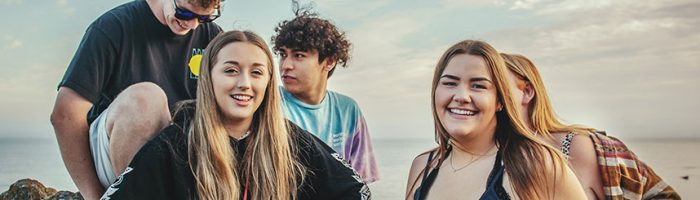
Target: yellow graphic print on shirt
<point>195,61</point>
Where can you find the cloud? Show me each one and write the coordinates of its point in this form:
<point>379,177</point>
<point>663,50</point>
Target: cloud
<point>470,3</point>
<point>11,42</point>
<point>387,75</point>
<point>340,9</point>
<point>16,43</point>
<point>65,8</point>
<point>628,62</point>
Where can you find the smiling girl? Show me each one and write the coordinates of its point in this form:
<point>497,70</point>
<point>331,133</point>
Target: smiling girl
<point>484,150</point>
<point>233,142</point>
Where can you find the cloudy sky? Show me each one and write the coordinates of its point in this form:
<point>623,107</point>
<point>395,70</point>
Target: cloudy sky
<point>631,67</point>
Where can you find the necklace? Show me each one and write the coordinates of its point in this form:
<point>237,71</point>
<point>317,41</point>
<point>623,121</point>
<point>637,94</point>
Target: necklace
<point>475,157</point>
<point>244,135</point>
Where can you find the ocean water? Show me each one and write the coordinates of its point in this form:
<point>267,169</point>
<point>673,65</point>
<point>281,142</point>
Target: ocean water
<point>39,158</point>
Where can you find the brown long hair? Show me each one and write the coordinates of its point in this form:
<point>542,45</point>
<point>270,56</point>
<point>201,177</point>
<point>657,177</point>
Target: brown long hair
<point>541,112</point>
<point>269,164</point>
<point>527,158</point>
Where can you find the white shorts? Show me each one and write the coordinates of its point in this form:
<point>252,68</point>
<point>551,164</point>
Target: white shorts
<point>99,147</point>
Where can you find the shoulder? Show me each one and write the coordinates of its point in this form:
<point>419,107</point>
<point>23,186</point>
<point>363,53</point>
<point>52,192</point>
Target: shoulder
<point>183,112</point>
<point>342,100</point>
<point>120,15</point>
<point>173,138</point>
<point>416,171</point>
<point>582,149</point>
<point>306,142</point>
<point>114,23</point>
<point>420,162</point>
<point>422,158</point>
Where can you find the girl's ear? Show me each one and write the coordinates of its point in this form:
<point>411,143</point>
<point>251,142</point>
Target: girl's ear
<point>528,94</point>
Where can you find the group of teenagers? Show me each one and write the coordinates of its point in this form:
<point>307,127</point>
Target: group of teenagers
<point>159,102</point>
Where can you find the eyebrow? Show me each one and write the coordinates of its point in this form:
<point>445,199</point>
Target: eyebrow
<point>474,79</point>
<point>233,62</point>
<point>300,50</point>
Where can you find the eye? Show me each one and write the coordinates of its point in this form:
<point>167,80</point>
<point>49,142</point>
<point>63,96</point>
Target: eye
<point>282,54</point>
<point>298,55</point>
<point>448,83</point>
<point>478,86</point>
<point>230,70</point>
<point>258,72</point>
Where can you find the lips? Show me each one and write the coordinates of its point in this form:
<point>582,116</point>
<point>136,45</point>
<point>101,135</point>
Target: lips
<point>179,23</point>
<point>461,113</point>
<point>242,99</point>
<point>288,78</point>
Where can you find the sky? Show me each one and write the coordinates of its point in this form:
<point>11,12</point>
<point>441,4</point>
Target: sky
<point>630,67</point>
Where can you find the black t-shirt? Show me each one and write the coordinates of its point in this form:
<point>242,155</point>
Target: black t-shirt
<point>160,170</point>
<point>128,45</point>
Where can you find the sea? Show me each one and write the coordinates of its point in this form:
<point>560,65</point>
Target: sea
<point>677,161</point>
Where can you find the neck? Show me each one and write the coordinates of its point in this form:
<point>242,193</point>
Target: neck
<point>470,153</point>
<point>237,128</point>
<point>473,147</point>
<point>315,95</point>
<point>476,143</point>
<point>156,7</point>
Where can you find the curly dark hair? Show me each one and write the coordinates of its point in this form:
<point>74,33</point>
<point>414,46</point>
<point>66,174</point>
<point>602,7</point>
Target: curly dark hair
<point>308,32</point>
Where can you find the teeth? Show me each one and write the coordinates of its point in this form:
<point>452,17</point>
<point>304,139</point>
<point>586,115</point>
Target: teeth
<point>242,97</point>
<point>462,112</point>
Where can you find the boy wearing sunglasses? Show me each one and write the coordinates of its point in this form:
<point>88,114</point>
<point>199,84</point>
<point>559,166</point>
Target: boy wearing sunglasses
<point>133,63</point>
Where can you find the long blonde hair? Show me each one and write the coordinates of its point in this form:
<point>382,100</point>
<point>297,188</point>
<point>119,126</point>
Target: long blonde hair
<point>526,157</point>
<point>269,165</point>
<point>540,110</point>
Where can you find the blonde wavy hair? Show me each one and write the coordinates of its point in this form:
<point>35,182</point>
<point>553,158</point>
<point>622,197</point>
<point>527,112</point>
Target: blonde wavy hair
<point>541,114</point>
<point>269,165</point>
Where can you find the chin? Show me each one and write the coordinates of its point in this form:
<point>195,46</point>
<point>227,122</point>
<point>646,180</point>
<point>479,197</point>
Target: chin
<point>458,133</point>
<point>291,89</point>
<point>179,32</point>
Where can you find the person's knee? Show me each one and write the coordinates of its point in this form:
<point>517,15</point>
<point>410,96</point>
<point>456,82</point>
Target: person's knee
<point>140,106</point>
<point>145,95</point>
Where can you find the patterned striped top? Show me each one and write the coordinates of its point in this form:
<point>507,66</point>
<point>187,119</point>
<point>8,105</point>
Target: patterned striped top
<point>624,175</point>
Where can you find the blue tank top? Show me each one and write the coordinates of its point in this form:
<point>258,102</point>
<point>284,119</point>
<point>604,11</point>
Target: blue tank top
<point>494,184</point>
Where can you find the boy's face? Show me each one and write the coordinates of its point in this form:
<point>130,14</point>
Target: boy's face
<point>179,26</point>
<point>301,72</point>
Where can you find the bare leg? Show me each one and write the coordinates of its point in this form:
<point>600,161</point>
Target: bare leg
<point>134,117</point>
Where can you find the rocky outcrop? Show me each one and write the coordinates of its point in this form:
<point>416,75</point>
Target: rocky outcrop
<point>32,189</point>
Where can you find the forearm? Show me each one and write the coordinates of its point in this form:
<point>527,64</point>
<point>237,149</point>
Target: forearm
<point>70,125</point>
<point>74,146</point>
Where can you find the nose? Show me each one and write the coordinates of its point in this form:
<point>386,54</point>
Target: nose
<point>286,64</point>
<point>243,82</point>
<point>462,95</point>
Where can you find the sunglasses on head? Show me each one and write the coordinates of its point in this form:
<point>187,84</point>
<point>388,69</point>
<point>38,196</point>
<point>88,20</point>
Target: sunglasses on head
<point>184,14</point>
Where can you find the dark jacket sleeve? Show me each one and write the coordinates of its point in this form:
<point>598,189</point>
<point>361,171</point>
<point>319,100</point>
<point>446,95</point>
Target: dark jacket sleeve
<point>330,176</point>
<point>156,172</point>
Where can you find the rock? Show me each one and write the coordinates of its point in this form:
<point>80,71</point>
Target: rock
<point>65,195</point>
<point>31,189</point>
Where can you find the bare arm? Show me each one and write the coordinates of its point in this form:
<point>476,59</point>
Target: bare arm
<point>69,120</point>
